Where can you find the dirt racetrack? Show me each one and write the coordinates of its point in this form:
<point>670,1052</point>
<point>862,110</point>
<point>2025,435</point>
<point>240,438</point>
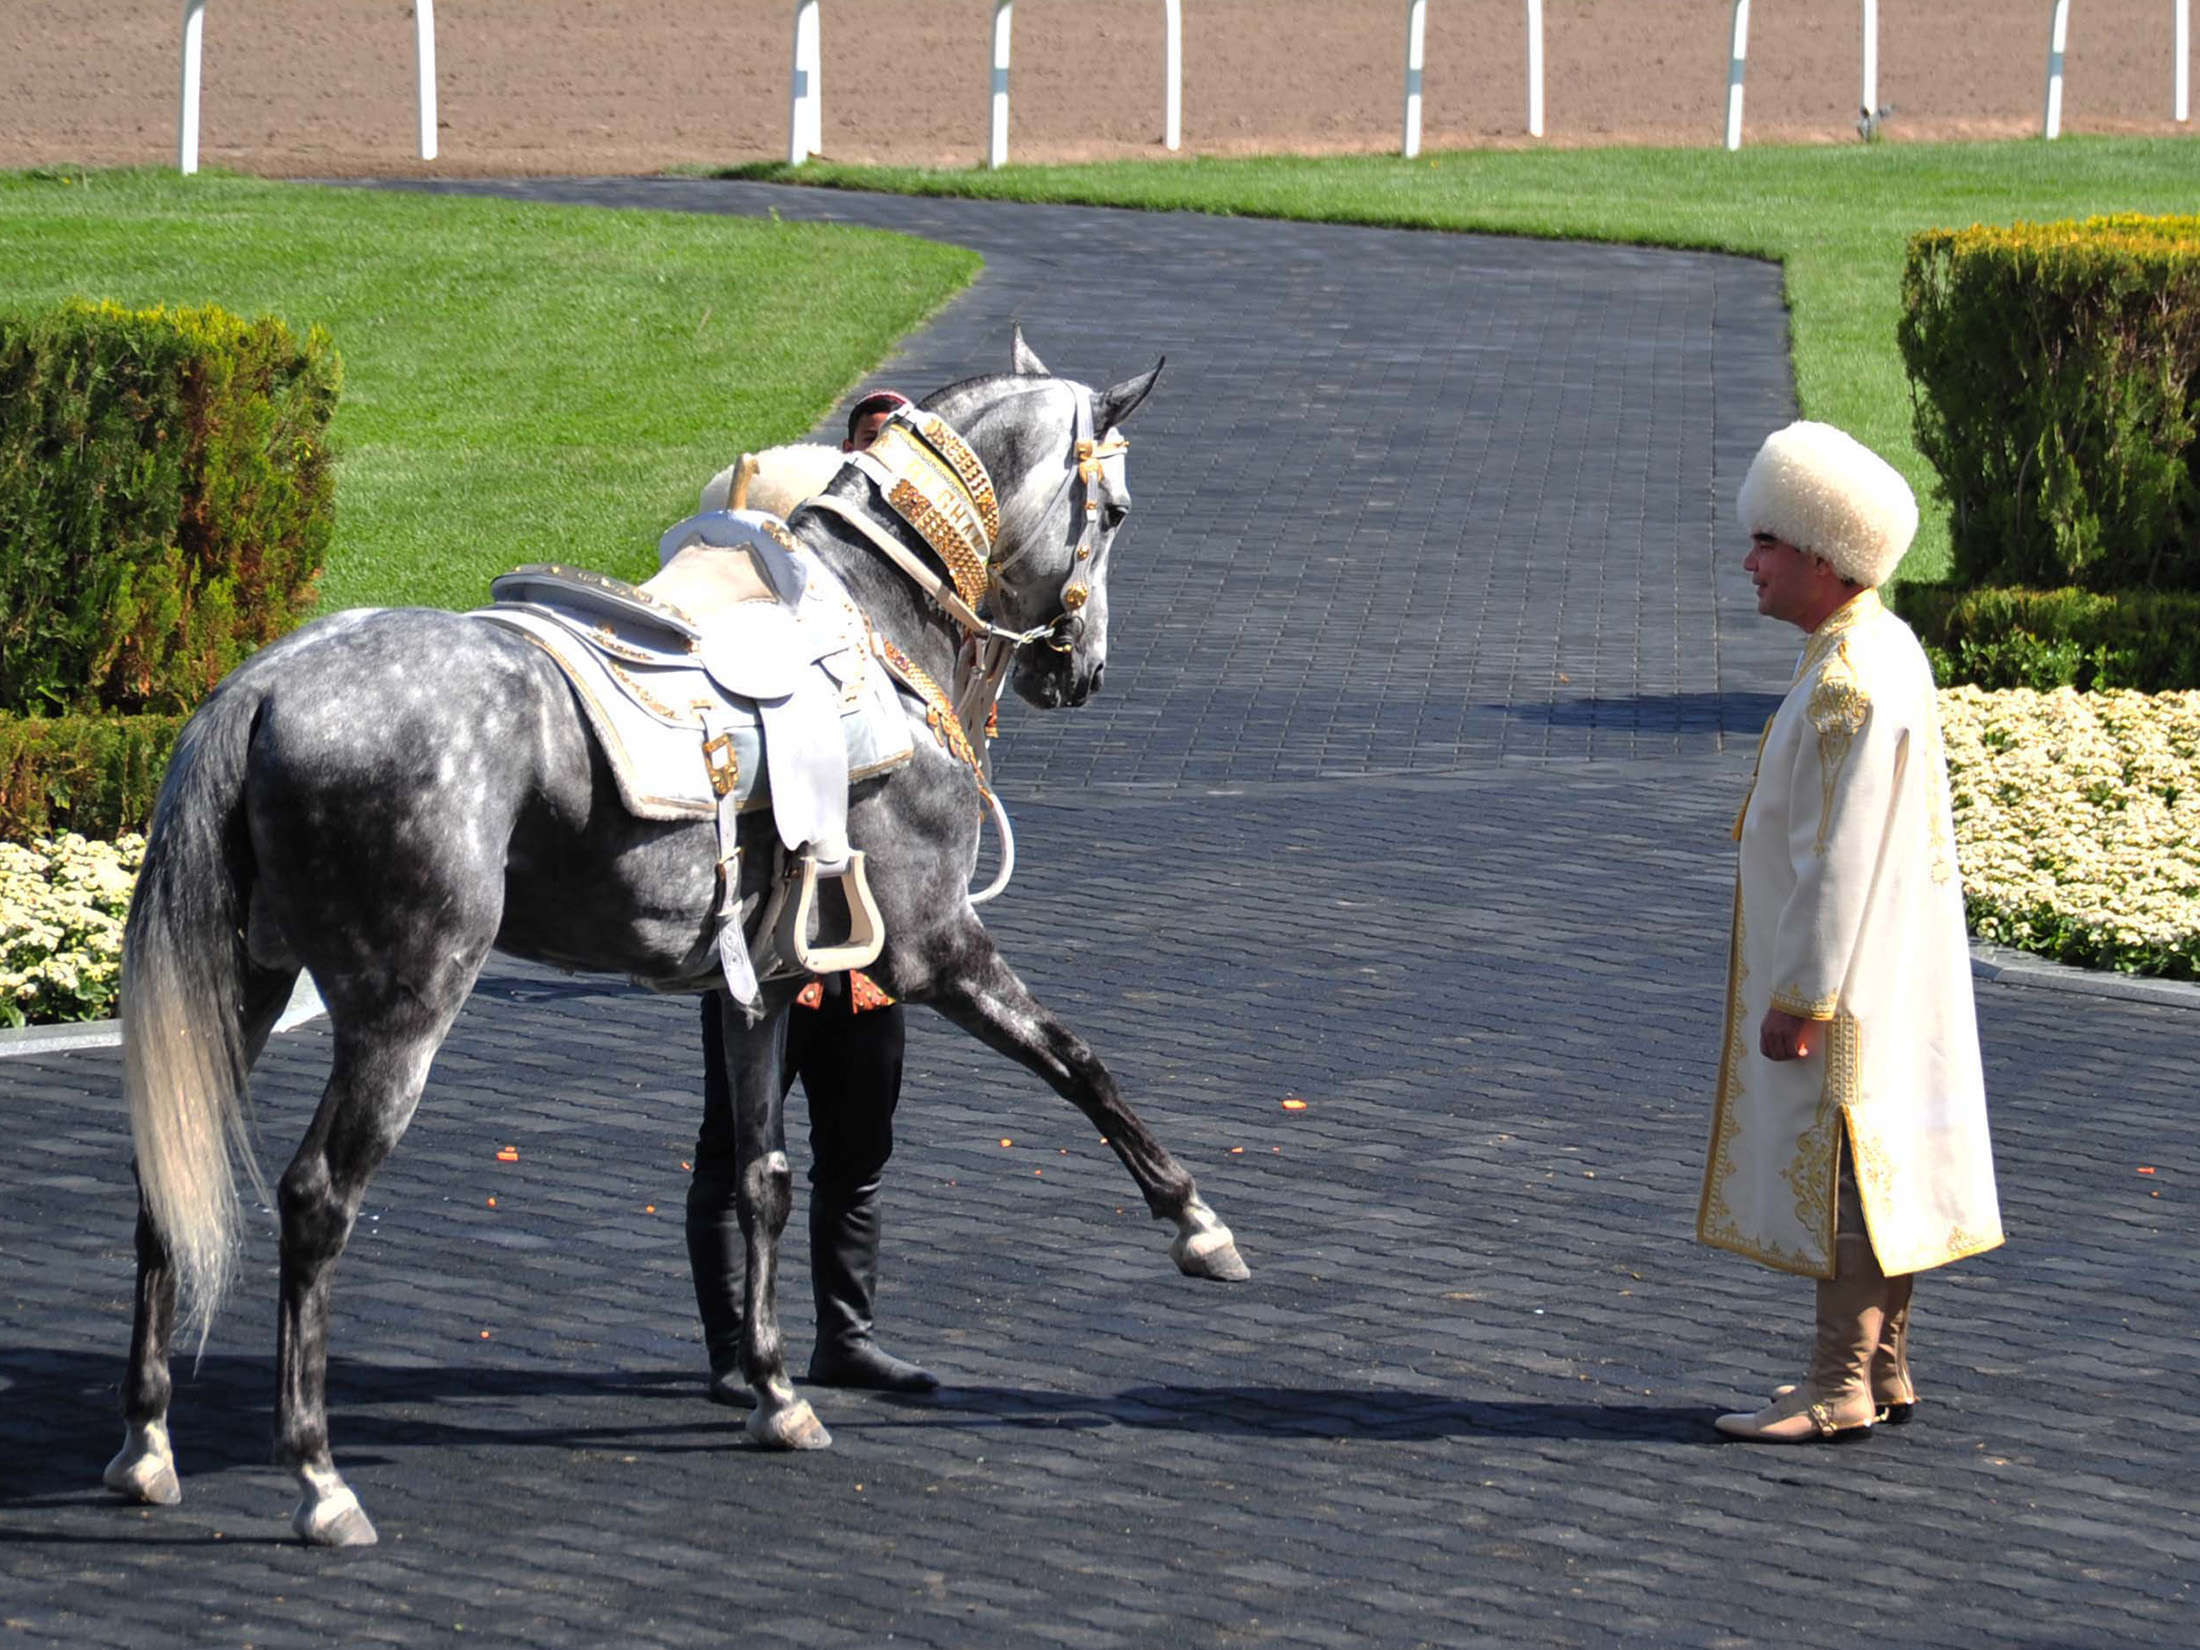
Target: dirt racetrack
<point>623,86</point>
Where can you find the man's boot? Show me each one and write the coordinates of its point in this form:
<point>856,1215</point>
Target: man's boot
<point>719,1262</point>
<point>1835,1402</point>
<point>844,1231</point>
<point>1892,1390</point>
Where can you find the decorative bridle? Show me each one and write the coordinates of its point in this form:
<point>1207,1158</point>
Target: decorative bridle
<point>936,483</point>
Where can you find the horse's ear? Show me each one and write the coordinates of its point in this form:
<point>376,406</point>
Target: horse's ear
<point>1022,357</point>
<point>1119,401</point>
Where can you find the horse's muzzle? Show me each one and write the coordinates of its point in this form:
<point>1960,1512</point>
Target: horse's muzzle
<point>1067,683</point>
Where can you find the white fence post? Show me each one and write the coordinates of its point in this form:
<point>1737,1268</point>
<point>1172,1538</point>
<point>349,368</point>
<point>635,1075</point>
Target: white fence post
<point>1172,56</point>
<point>1416,51</point>
<point>996,148</point>
<point>805,88</point>
<point>1871,63</point>
<point>1737,59</point>
<point>424,55</point>
<point>194,42</point>
<point>187,115</point>
<point>1535,68</point>
<point>2058,41</point>
<point>2180,75</point>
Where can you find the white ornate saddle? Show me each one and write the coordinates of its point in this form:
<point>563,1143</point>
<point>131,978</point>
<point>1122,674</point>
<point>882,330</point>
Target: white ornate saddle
<point>741,677</point>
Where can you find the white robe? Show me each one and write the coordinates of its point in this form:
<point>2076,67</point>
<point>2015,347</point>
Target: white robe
<point>1848,911</point>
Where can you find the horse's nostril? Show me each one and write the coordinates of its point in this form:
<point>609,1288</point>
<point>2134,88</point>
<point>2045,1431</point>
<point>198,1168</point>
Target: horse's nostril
<point>1098,671</point>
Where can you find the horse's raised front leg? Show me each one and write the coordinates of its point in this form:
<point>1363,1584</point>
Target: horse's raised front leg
<point>145,1468</point>
<point>983,995</point>
<point>782,1418</point>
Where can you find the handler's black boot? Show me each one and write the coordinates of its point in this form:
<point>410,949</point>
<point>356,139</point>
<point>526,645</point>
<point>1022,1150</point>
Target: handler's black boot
<point>844,1276</point>
<point>719,1263</point>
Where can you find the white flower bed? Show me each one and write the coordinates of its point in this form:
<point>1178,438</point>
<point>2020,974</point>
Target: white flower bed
<point>61,909</point>
<point>2077,829</point>
<point>2078,823</point>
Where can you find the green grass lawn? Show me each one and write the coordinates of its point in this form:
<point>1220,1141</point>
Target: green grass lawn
<point>521,383</point>
<point>1836,218</point>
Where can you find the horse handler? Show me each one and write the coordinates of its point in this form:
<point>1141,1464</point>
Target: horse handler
<point>845,1041</point>
<point>1849,1139</point>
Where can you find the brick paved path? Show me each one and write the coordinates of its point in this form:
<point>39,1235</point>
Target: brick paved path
<point>1409,803</point>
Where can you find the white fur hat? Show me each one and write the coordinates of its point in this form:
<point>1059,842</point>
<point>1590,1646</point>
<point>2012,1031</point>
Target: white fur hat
<point>1826,492</point>
<point>779,478</point>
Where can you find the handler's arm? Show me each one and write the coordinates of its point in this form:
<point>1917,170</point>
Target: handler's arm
<point>1838,810</point>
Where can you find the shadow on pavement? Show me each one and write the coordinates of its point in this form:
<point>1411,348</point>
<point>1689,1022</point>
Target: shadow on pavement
<point>1313,1412</point>
<point>1735,713</point>
<point>60,1420</point>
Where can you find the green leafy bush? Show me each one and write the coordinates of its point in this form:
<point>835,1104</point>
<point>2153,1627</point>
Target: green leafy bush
<point>95,775</point>
<point>2147,640</point>
<point>2055,385</point>
<point>166,498</point>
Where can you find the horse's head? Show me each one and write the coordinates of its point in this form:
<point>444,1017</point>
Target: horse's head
<point>1055,452</point>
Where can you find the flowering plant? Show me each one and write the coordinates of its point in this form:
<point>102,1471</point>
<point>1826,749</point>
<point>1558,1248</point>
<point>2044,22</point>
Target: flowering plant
<point>62,903</point>
<point>2078,823</point>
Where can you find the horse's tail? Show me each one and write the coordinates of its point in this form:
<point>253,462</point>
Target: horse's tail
<point>184,1060</point>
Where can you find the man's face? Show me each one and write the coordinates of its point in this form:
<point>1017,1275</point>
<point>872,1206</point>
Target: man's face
<point>867,429</point>
<point>1793,585</point>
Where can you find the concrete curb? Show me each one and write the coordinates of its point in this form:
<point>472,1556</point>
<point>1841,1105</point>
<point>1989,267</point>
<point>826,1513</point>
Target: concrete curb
<point>2008,967</point>
<point>305,1004</point>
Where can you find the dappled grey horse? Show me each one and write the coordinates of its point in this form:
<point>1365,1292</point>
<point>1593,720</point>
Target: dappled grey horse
<point>386,796</point>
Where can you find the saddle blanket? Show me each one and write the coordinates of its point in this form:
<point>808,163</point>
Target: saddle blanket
<point>658,683</point>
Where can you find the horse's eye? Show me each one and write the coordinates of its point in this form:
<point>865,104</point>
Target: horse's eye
<point>1111,516</point>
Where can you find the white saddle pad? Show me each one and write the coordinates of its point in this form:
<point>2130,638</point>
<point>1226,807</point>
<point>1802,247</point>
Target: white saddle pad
<point>828,715</point>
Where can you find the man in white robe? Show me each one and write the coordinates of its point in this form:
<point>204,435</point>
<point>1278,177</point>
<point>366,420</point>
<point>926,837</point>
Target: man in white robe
<point>1849,1140</point>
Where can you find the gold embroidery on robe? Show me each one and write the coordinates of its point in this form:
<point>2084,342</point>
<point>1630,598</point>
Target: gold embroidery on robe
<point>1791,999</point>
<point>1713,1217</point>
<point>1874,1166</point>
<point>1715,1222</point>
<point>1810,1174</point>
<point>1838,709</point>
<point>1936,757</point>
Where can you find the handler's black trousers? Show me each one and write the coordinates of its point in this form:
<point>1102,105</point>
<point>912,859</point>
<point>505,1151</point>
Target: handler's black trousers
<point>850,1066</point>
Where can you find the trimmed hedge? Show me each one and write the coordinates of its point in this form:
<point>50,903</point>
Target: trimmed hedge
<point>166,499</point>
<point>2147,640</point>
<point>94,775</point>
<point>2055,381</point>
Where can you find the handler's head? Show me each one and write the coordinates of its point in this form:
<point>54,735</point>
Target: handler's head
<point>868,416</point>
<point>1822,492</point>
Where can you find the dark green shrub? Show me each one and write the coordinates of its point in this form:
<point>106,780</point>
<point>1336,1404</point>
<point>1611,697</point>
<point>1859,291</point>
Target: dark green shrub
<point>2055,380</point>
<point>1999,638</point>
<point>166,496</point>
<point>95,775</point>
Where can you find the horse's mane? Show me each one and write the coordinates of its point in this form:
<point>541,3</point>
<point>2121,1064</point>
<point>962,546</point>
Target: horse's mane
<point>962,386</point>
<point>972,389</point>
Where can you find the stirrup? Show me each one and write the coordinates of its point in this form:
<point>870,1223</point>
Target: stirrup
<point>794,903</point>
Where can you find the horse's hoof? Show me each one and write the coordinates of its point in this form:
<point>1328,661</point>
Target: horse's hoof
<point>143,1477</point>
<point>333,1520</point>
<point>1210,1254</point>
<point>794,1427</point>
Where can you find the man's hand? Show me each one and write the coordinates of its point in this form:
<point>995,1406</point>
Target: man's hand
<point>1786,1036</point>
